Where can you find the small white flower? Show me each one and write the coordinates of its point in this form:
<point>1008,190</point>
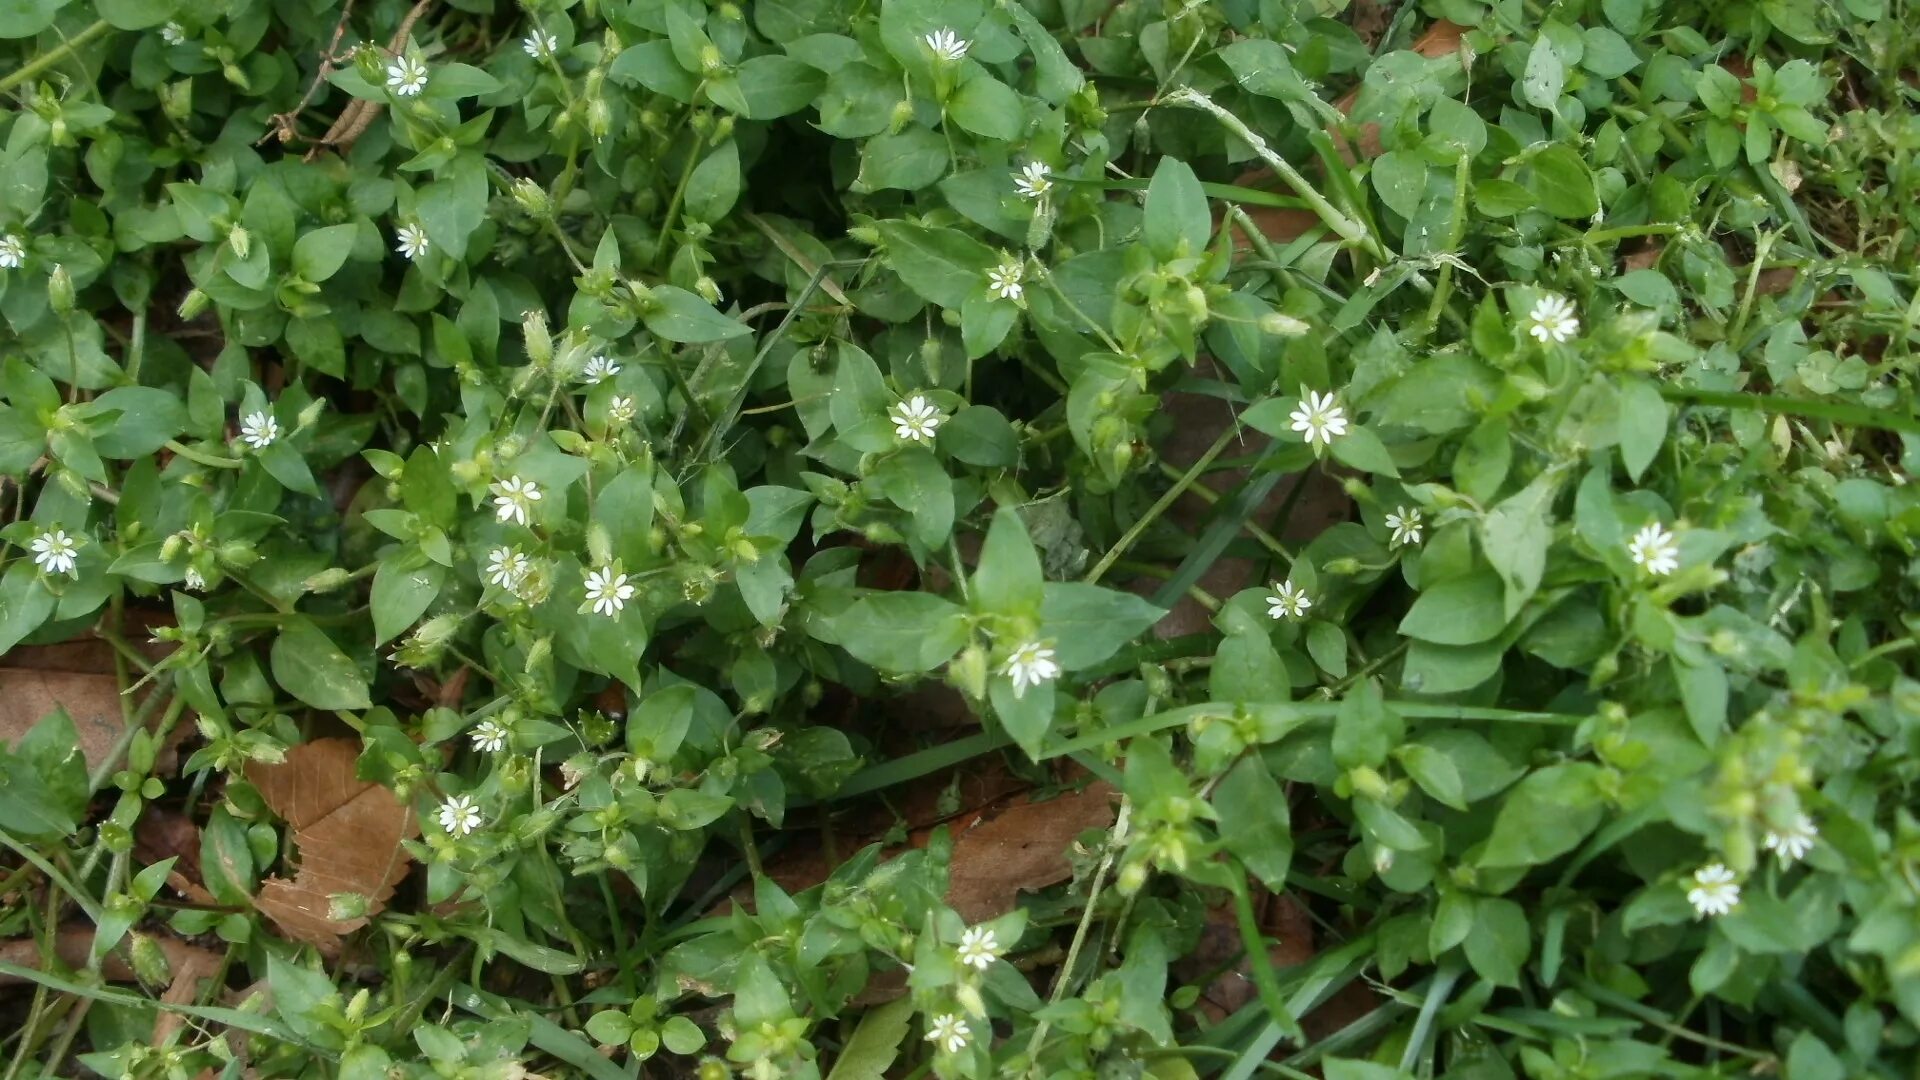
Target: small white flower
<point>512,497</point>
<point>1317,417</point>
<point>915,419</point>
<point>506,566</point>
<point>411,241</point>
<point>1552,319</point>
<point>55,552</point>
<point>1030,665</point>
<point>571,773</point>
<point>1792,843</point>
<point>460,816</point>
<point>1405,523</point>
<point>259,429</point>
<point>978,948</point>
<point>540,43</point>
<point>1714,892</point>
<point>13,252</point>
<point>490,737</point>
<point>1003,281</point>
<point>607,591</point>
<point>1653,547</point>
<point>173,34</point>
<point>406,76</point>
<point>1288,601</point>
<point>597,369</point>
<point>195,581</point>
<point>620,410</point>
<point>1032,181</point>
<point>948,1032</point>
<point>947,45</point>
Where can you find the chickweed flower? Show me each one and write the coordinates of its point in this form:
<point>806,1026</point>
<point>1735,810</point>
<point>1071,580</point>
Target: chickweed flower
<point>55,552</point>
<point>978,948</point>
<point>406,76</point>
<point>1792,843</point>
<point>915,419</point>
<point>1714,892</point>
<point>459,816</point>
<point>512,497</point>
<point>948,1032</point>
<point>1003,281</point>
<point>540,44</point>
<point>608,591</point>
<point>1288,602</point>
<point>13,252</point>
<point>1653,547</point>
<point>195,580</point>
<point>597,369</point>
<point>490,737</point>
<point>1033,180</point>
<point>1317,417</point>
<point>1405,523</point>
<point>259,429</point>
<point>620,410</point>
<point>1552,319</point>
<point>506,567</point>
<point>173,34</point>
<point>1030,665</point>
<point>947,45</point>
<point>411,240</point>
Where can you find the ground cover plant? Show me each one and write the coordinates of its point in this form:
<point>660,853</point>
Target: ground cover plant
<point>1049,538</point>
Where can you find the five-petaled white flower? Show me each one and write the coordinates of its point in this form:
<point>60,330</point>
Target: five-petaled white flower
<point>1030,665</point>
<point>1792,843</point>
<point>597,369</point>
<point>1288,601</point>
<point>948,1032</point>
<point>1653,547</point>
<point>978,948</point>
<point>506,567</point>
<point>406,76</point>
<point>1714,892</point>
<point>1318,417</point>
<point>607,591</point>
<point>13,252</point>
<point>1032,181</point>
<point>1552,319</point>
<point>948,45</point>
<point>411,241</point>
<point>1003,281</point>
<point>512,497</point>
<point>459,815</point>
<point>54,551</point>
<point>196,581</point>
<point>620,410</point>
<point>915,419</point>
<point>173,34</point>
<point>540,43</point>
<point>490,737</point>
<point>1405,523</point>
<point>259,429</point>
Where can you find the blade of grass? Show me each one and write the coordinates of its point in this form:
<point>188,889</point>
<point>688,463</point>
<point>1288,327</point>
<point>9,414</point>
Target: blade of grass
<point>1837,411</point>
<point>233,1018</point>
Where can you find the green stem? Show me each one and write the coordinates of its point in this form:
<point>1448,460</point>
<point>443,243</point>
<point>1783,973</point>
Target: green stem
<point>53,56</point>
<point>1132,535</point>
<point>1257,959</point>
<point>1114,839</point>
<point>201,457</point>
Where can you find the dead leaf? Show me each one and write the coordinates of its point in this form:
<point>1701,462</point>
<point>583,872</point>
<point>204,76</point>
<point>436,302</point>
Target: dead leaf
<point>73,944</point>
<point>1020,849</point>
<point>348,835</point>
<point>78,676</point>
<point>163,834</point>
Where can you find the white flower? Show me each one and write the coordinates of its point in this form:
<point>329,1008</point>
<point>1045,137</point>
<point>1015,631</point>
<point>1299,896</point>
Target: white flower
<point>1405,523</point>
<point>1552,319</point>
<point>620,410</point>
<point>571,773</point>
<point>540,43</point>
<point>1288,602</point>
<point>1791,844</point>
<point>506,566</point>
<point>459,815</point>
<point>1714,891</point>
<point>55,552</point>
<point>1003,281</point>
<point>195,580</point>
<point>412,241</point>
<point>13,252</point>
<point>173,34</point>
<point>978,948</point>
<point>915,419</point>
<point>607,591</point>
<point>259,429</point>
<point>1032,180</point>
<point>1030,665</point>
<point>947,45</point>
<point>511,498</point>
<point>1317,417</point>
<point>1653,547</point>
<point>406,76</point>
<point>490,737</point>
<point>948,1032</point>
<point>597,369</point>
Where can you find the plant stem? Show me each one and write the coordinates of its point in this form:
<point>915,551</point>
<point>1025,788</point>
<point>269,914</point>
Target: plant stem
<point>53,56</point>
<point>1116,838</point>
<point>1132,535</point>
<point>201,457</point>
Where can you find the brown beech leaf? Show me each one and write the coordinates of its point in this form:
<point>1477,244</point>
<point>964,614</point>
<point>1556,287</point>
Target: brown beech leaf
<point>347,832</point>
<point>1020,848</point>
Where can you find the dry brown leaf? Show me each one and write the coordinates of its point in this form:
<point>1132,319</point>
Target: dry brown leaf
<point>348,835</point>
<point>163,834</point>
<point>1022,848</point>
<point>73,944</point>
<point>78,676</point>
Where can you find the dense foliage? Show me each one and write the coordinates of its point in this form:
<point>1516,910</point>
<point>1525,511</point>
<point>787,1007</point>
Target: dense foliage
<point>597,414</point>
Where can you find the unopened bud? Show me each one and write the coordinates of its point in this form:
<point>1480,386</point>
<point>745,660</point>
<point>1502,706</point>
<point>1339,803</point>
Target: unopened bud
<point>902,116</point>
<point>326,580</point>
<point>1283,325</point>
<point>60,290</point>
<point>240,241</point>
<point>309,415</point>
<point>238,553</point>
<point>708,289</point>
<point>533,327</point>
<point>172,547</point>
<point>599,118</point>
<point>193,304</point>
<point>531,197</point>
<point>150,961</point>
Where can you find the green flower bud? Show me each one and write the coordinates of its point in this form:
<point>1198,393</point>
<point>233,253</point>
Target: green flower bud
<point>193,304</point>
<point>708,289</point>
<point>327,580</point>
<point>60,290</point>
<point>599,118</point>
<point>150,961</point>
<point>1283,325</point>
<point>238,554</point>
<point>533,328</point>
<point>532,198</point>
<point>240,241</point>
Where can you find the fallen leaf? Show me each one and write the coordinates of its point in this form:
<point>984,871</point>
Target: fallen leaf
<point>78,676</point>
<point>1020,849</point>
<point>73,944</point>
<point>163,834</point>
<point>347,831</point>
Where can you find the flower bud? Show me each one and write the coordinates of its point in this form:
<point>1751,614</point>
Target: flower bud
<point>238,554</point>
<point>327,580</point>
<point>539,651</point>
<point>599,118</point>
<point>357,1004</point>
<point>708,289</point>
<point>533,327</point>
<point>309,415</point>
<point>531,197</point>
<point>193,304</point>
<point>150,961</point>
<point>60,290</point>
<point>968,672</point>
<point>240,241</point>
<point>172,547</point>
<point>1283,325</point>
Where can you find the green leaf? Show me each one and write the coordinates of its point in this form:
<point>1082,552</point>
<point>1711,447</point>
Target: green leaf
<point>942,265</point>
<point>1643,425</point>
<point>987,107</point>
<point>1026,716</point>
<point>985,322</point>
<point>980,435</point>
<point>25,18</point>
<point>1516,533</point>
<point>136,14</point>
<point>1499,941</point>
<point>678,315</point>
<point>134,421</point>
<point>1177,221</point>
<point>1254,820</point>
<point>1361,449</point>
<point>1562,183</point>
<point>1459,610</point>
<point>403,588</point>
<point>1008,579</point>
<point>286,465</point>
<point>651,64</point>
<point>682,1036</point>
<point>43,780</point>
<point>319,254</point>
<point>1400,177</point>
<point>1088,624</point>
<point>1545,816</point>
<point>908,160</point>
<point>1545,76</point>
<point>22,441</point>
<point>307,664</point>
<point>1365,728</point>
<point>1435,772</point>
<point>906,632</point>
<point>24,603</point>
<point>875,1043</point>
<point>1056,77</point>
<point>773,85</point>
<point>715,184</point>
<point>913,480</point>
